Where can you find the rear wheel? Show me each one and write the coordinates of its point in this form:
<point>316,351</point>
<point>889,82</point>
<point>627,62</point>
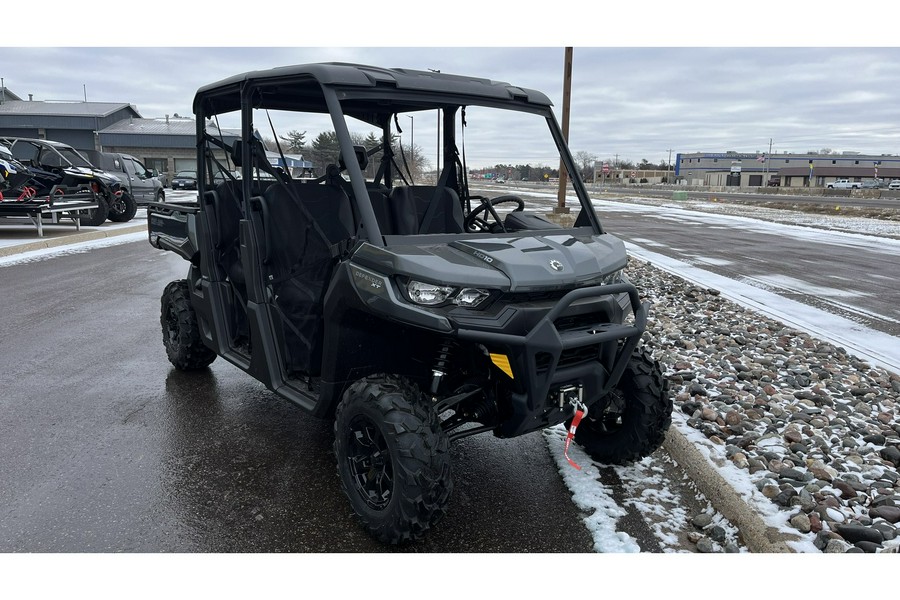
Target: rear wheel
<point>96,216</point>
<point>393,458</point>
<point>635,422</point>
<point>181,330</point>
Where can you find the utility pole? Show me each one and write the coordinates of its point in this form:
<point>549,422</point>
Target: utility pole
<point>567,98</point>
<point>766,182</point>
<point>669,168</point>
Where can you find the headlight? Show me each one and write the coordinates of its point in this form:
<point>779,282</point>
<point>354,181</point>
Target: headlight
<point>470,297</point>
<point>428,294</point>
<point>614,277</point>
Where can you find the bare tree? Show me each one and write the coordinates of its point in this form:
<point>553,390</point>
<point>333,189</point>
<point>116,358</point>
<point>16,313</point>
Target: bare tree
<point>585,161</point>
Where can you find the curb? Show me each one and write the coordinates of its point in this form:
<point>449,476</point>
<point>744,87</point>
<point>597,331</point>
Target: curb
<point>66,240</point>
<point>759,537</point>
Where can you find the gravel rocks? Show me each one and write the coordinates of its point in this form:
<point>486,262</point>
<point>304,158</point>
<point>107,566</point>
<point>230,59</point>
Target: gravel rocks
<point>816,429</point>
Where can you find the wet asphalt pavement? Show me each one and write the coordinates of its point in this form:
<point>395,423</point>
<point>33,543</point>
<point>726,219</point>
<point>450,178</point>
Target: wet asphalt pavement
<point>104,447</point>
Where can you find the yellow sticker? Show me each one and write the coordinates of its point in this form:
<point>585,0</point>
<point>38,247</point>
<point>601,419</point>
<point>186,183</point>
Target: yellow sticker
<point>502,363</point>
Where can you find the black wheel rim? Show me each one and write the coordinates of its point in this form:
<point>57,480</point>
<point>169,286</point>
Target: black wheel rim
<point>369,461</point>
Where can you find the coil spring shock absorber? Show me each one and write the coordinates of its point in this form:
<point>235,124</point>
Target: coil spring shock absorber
<point>442,362</point>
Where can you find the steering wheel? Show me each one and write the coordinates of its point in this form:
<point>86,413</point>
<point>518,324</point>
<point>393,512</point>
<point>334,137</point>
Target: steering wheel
<point>476,224</point>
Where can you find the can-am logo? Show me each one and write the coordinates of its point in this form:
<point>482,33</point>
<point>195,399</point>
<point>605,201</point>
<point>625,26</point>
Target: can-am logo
<point>556,265</point>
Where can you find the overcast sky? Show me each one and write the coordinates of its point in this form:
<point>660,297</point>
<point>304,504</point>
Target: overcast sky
<point>637,90</point>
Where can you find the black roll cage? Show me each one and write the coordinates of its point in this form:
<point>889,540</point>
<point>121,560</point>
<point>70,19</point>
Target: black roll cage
<point>305,93</point>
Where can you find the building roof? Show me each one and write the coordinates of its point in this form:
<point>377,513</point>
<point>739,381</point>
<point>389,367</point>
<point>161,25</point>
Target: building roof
<point>7,95</point>
<point>163,126</point>
<point>65,109</point>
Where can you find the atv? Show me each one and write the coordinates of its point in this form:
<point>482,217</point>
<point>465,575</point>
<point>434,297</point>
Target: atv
<point>57,169</point>
<point>404,303</point>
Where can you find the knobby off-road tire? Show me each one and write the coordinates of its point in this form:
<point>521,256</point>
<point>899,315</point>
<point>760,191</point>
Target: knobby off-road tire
<point>96,216</point>
<point>181,331</point>
<point>123,208</point>
<point>393,459</point>
<point>642,424</point>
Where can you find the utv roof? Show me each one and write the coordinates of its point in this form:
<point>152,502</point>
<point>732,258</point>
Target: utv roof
<point>224,96</point>
<point>37,141</point>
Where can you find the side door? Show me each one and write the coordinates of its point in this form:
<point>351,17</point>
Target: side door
<point>141,181</point>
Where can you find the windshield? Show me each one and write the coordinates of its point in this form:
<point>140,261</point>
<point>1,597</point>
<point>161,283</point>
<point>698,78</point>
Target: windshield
<point>72,155</point>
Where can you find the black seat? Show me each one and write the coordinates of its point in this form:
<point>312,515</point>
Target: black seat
<point>304,225</point>
<point>226,237</point>
<point>411,207</point>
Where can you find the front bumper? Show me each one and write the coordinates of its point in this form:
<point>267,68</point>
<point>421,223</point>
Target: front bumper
<point>548,358</point>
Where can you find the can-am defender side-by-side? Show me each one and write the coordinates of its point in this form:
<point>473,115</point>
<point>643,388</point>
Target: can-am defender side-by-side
<point>412,313</point>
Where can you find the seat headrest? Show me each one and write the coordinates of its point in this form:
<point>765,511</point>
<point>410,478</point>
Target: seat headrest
<point>236,150</point>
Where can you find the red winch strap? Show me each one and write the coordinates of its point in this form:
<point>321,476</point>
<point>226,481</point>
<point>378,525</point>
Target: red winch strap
<point>579,414</point>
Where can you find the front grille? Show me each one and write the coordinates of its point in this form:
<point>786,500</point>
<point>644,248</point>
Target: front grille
<point>526,297</point>
<point>585,321</point>
<point>568,358</point>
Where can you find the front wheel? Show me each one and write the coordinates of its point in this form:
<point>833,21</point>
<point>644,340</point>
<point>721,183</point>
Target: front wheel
<point>181,330</point>
<point>635,420</point>
<point>393,459</point>
<point>123,208</point>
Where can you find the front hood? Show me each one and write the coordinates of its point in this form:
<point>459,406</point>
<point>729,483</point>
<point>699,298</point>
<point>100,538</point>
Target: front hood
<point>558,261</point>
<point>104,176</point>
<point>521,263</point>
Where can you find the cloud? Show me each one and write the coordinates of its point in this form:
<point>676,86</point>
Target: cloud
<point>637,102</point>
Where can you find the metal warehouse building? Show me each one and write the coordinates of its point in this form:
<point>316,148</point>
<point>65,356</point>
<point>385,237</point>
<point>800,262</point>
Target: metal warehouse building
<point>165,144</point>
<point>788,170</point>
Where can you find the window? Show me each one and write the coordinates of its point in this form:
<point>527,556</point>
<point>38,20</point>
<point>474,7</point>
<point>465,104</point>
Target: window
<point>160,164</point>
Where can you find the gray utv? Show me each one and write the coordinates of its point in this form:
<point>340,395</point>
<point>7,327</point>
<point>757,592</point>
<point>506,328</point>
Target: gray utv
<point>398,297</point>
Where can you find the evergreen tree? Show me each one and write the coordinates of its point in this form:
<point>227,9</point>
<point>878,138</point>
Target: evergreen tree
<point>294,142</point>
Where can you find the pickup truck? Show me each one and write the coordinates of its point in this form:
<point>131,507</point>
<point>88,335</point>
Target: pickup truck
<point>844,184</point>
<point>137,179</point>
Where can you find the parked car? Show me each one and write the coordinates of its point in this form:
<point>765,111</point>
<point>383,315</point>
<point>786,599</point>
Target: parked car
<point>221,177</point>
<point>872,184</point>
<point>894,185</point>
<point>135,177</point>
<point>844,184</point>
<point>186,180</point>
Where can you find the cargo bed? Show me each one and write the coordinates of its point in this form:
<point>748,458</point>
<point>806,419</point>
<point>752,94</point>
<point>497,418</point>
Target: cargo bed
<point>172,226</point>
